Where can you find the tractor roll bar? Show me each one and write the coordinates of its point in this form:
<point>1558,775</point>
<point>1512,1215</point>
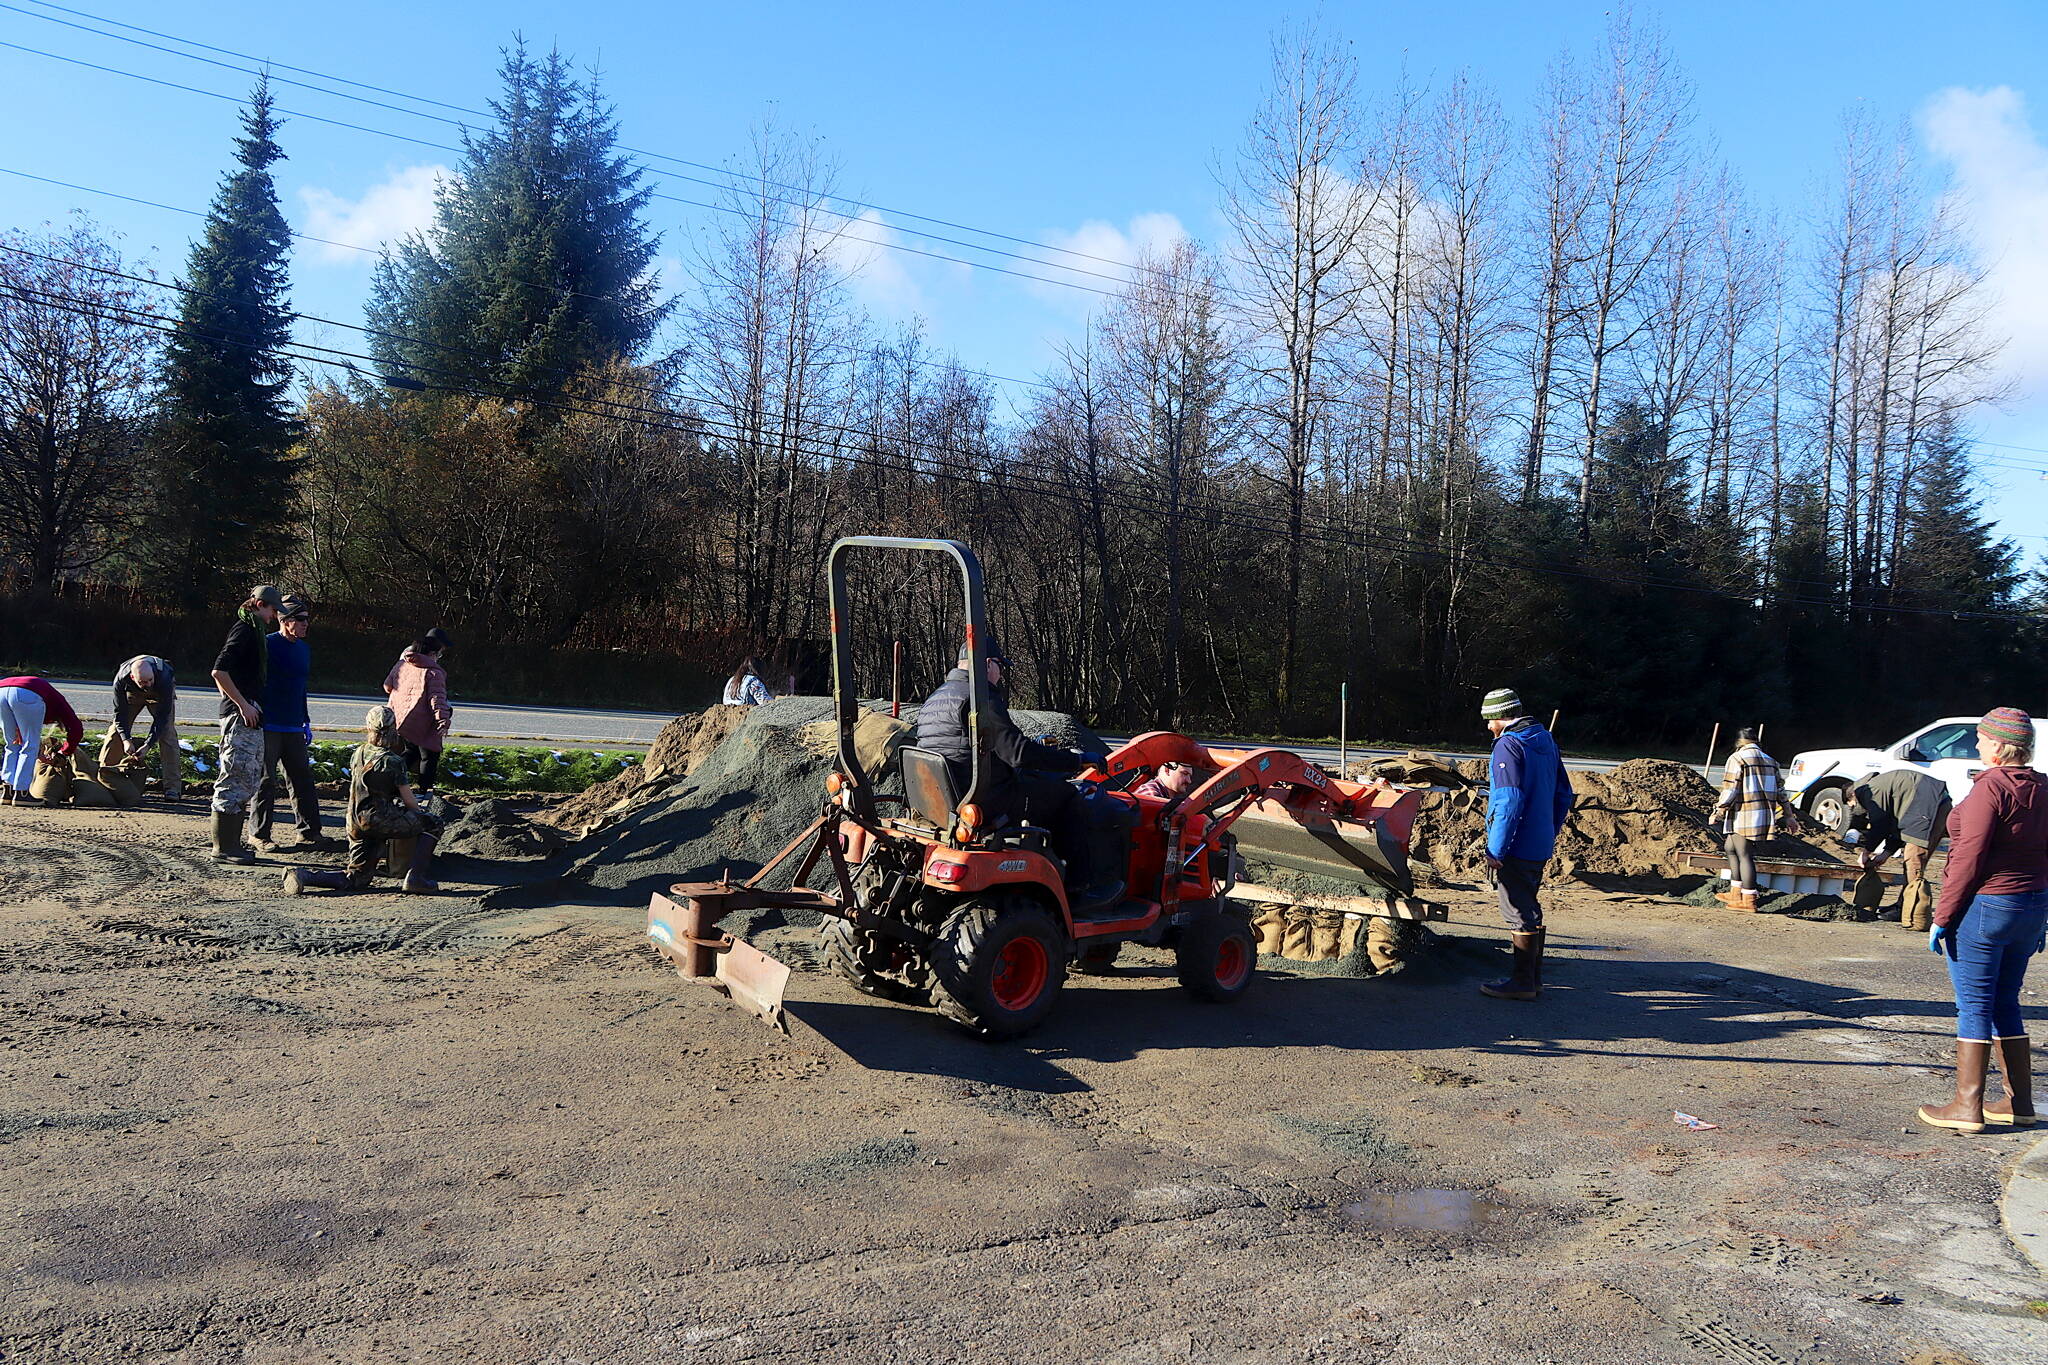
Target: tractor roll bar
<point>845,689</point>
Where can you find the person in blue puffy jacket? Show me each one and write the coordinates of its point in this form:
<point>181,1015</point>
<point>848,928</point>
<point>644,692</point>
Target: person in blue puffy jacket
<point>1527,803</point>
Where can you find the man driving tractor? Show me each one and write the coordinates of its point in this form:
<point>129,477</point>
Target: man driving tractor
<point>1026,781</point>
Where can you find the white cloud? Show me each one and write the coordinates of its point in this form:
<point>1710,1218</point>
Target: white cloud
<point>878,275</point>
<point>1999,185</point>
<point>1148,234</point>
<point>402,203</point>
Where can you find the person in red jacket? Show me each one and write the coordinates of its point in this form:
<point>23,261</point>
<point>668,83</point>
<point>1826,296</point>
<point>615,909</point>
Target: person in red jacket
<point>1991,920</point>
<point>25,704</point>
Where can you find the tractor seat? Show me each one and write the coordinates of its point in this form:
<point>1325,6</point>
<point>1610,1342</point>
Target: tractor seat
<point>928,786</point>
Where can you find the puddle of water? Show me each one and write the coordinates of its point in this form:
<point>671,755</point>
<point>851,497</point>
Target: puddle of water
<point>1421,1211</point>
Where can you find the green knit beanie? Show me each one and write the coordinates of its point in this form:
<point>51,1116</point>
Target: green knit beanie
<point>1501,704</point>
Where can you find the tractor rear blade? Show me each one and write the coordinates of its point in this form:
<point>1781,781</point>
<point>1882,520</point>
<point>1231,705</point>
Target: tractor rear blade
<point>685,931</point>
<point>1360,852</point>
<point>754,981</point>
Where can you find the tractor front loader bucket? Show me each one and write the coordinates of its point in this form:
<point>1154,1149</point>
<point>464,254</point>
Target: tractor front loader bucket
<point>1366,849</point>
<point>685,931</point>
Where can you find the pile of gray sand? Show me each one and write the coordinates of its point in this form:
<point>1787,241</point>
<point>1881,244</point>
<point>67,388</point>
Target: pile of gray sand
<point>683,743</point>
<point>755,791</point>
<point>492,829</point>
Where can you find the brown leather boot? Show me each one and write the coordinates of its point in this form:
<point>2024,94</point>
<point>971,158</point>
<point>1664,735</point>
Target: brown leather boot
<point>2016,1063</point>
<point>1525,979</point>
<point>1965,1113</point>
<point>1732,897</point>
<point>1748,901</point>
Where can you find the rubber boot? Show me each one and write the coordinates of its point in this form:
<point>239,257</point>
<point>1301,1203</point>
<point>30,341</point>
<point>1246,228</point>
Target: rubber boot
<point>300,880</point>
<point>2016,1063</point>
<point>1965,1113</point>
<point>227,838</point>
<point>418,877</point>
<point>1525,980</point>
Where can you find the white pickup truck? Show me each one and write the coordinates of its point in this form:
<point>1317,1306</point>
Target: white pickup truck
<point>1818,781</point>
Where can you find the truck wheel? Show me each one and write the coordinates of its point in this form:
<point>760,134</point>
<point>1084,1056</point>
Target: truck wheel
<point>1216,956</point>
<point>1829,807</point>
<point>852,952</point>
<point>1098,960</point>
<point>997,965</point>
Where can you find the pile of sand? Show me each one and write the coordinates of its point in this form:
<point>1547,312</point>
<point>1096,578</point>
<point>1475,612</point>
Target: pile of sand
<point>493,829</point>
<point>755,791</point>
<point>682,744</point>
<point>1633,821</point>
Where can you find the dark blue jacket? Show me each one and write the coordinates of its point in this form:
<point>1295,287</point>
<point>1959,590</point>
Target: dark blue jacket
<point>284,684</point>
<point>1530,797</point>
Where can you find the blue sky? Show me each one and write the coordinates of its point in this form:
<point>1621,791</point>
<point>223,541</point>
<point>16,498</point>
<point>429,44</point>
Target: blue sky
<point>1085,124</point>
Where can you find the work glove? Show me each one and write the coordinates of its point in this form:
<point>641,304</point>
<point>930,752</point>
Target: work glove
<point>307,731</point>
<point>1941,941</point>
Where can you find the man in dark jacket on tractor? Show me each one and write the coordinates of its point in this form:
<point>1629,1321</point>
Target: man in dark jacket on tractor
<point>1021,778</point>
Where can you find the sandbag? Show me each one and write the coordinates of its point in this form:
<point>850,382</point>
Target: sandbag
<point>89,791</point>
<point>1298,944</point>
<point>121,787</point>
<point>112,750</point>
<point>1326,931</point>
<point>1272,926</point>
<point>52,782</point>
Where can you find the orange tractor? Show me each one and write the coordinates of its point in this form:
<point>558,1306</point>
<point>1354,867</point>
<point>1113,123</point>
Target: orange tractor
<point>930,902</point>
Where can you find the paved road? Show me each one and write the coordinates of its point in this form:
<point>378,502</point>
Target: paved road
<point>568,725</point>
<point>94,702</point>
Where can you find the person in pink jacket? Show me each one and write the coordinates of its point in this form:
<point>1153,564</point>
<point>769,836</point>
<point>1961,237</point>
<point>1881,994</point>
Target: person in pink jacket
<point>418,688</point>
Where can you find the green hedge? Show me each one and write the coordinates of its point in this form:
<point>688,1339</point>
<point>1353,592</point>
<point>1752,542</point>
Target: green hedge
<point>464,767</point>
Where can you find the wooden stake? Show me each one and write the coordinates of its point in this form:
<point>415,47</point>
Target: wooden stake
<point>1553,720</point>
<point>1712,745</point>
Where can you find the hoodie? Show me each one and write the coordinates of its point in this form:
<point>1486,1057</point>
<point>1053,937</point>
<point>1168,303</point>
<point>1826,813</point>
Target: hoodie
<point>1998,841</point>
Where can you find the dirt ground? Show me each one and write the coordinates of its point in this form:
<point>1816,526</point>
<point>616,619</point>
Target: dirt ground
<point>239,1127</point>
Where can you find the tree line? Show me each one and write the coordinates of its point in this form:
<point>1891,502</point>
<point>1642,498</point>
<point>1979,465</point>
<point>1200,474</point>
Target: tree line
<point>1463,397</point>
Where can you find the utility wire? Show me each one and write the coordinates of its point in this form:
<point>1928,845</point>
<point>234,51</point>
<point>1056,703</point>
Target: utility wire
<point>636,151</point>
<point>559,291</point>
<point>1356,540</point>
<point>1400,543</point>
<point>655,194</point>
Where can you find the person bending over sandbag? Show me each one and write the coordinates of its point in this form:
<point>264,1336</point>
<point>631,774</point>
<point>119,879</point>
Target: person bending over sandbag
<point>1902,809</point>
<point>25,703</point>
<point>381,806</point>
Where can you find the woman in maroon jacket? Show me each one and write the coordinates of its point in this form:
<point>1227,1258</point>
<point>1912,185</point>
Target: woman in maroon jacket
<point>25,703</point>
<point>1991,920</point>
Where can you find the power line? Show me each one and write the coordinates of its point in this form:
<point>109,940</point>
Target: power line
<point>655,194</point>
<point>561,291</point>
<point>1124,500</point>
<point>739,180</point>
<point>636,151</point>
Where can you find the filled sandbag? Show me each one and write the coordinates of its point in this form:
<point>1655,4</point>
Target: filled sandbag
<point>89,791</point>
<point>52,782</point>
<point>121,787</point>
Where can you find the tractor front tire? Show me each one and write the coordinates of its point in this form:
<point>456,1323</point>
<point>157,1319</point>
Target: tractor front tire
<point>849,956</point>
<point>998,964</point>
<point>1216,957</point>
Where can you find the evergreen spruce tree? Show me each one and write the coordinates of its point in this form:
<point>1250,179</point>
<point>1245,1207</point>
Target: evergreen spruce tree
<point>1951,562</point>
<point>226,428</point>
<point>536,266</point>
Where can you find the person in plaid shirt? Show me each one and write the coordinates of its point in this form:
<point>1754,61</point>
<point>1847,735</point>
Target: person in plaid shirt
<point>1751,809</point>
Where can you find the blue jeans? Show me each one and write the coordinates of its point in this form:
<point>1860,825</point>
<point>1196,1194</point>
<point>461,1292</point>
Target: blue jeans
<point>1995,938</point>
<point>21,726</point>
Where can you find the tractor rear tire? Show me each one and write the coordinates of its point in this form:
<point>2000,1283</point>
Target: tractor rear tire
<point>844,949</point>
<point>1217,956</point>
<point>998,964</point>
